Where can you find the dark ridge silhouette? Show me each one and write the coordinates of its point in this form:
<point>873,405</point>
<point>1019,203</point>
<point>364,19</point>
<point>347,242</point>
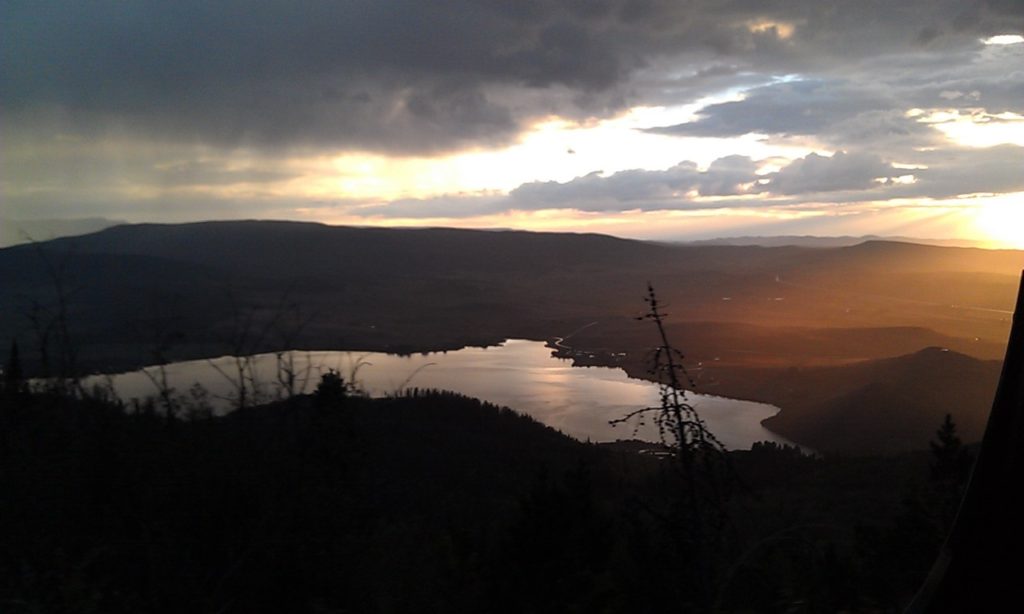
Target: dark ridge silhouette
<point>300,249</point>
<point>978,567</point>
<point>505,283</point>
<point>14,232</point>
<point>913,256</point>
<point>884,405</point>
<point>739,343</point>
<point>825,242</point>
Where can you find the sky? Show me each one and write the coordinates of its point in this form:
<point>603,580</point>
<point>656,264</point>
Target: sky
<point>655,119</point>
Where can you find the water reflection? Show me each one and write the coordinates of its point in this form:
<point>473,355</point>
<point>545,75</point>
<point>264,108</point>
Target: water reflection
<point>520,374</point>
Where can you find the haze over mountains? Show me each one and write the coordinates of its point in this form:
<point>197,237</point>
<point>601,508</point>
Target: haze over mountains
<point>812,241</point>
<point>16,232</point>
<point>763,323</point>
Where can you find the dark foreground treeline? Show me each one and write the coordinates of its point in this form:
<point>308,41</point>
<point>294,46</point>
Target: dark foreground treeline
<point>431,502</point>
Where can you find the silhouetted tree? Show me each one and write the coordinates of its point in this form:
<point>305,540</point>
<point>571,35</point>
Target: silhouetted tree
<point>331,390</point>
<point>901,553</point>
<point>254,329</point>
<point>700,478</point>
<point>159,328</point>
<point>13,376</point>
<point>288,323</point>
<point>950,468</point>
<point>51,324</point>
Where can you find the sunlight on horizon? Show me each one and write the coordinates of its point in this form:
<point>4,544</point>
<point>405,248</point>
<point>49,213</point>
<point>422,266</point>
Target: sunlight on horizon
<point>990,222</point>
<point>553,149</point>
<point>1001,220</point>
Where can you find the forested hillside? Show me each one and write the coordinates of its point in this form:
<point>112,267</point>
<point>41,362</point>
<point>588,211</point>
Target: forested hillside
<point>435,501</point>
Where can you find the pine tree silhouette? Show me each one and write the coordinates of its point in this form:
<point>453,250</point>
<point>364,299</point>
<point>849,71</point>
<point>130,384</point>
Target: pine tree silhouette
<point>950,468</point>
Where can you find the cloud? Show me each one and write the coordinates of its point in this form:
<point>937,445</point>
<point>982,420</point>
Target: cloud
<point>408,76</point>
<point>638,189</point>
<point>197,108</point>
<point>90,166</point>
<point>192,173</point>
<point>959,171</point>
<point>445,206</point>
<point>968,77</point>
<point>803,107</point>
<point>813,182</point>
<point>727,176</point>
<point>865,104</point>
<point>685,187</point>
<point>833,113</point>
<point>842,171</point>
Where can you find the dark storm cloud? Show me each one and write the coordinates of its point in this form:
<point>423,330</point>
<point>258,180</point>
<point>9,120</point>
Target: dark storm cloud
<point>804,107</point>
<point>865,104</point>
<point>668,85</point>
<point>413,76</point>
<point>402,75</point>
<point>990,76</point>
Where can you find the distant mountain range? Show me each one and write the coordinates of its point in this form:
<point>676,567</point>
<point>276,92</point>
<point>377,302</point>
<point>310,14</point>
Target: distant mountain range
<point>16,232</point>
<point>812,241</point>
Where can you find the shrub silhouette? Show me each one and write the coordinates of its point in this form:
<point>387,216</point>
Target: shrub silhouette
<point>331,390</point>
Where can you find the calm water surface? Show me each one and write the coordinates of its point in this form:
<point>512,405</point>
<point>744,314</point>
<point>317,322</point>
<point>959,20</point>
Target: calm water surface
<point>579,401</point>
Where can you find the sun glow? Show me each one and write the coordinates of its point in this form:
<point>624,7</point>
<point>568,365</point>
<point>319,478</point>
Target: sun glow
<point>781,29</point>
<point>1004,39</point>
<point>977,128</point>
<point>553,149</point>
<point>1001,220</point>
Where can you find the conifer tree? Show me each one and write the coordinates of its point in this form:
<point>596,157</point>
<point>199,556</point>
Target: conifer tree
<point>950,468</point>
<point>13,377</point>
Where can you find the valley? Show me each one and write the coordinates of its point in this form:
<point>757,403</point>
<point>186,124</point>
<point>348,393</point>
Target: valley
<point>833,336</point>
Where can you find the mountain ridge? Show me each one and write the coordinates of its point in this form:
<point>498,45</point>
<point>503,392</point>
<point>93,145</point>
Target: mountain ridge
<point>250,287</point>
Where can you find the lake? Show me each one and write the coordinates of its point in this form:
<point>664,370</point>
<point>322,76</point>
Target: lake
<point>579,401</point>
